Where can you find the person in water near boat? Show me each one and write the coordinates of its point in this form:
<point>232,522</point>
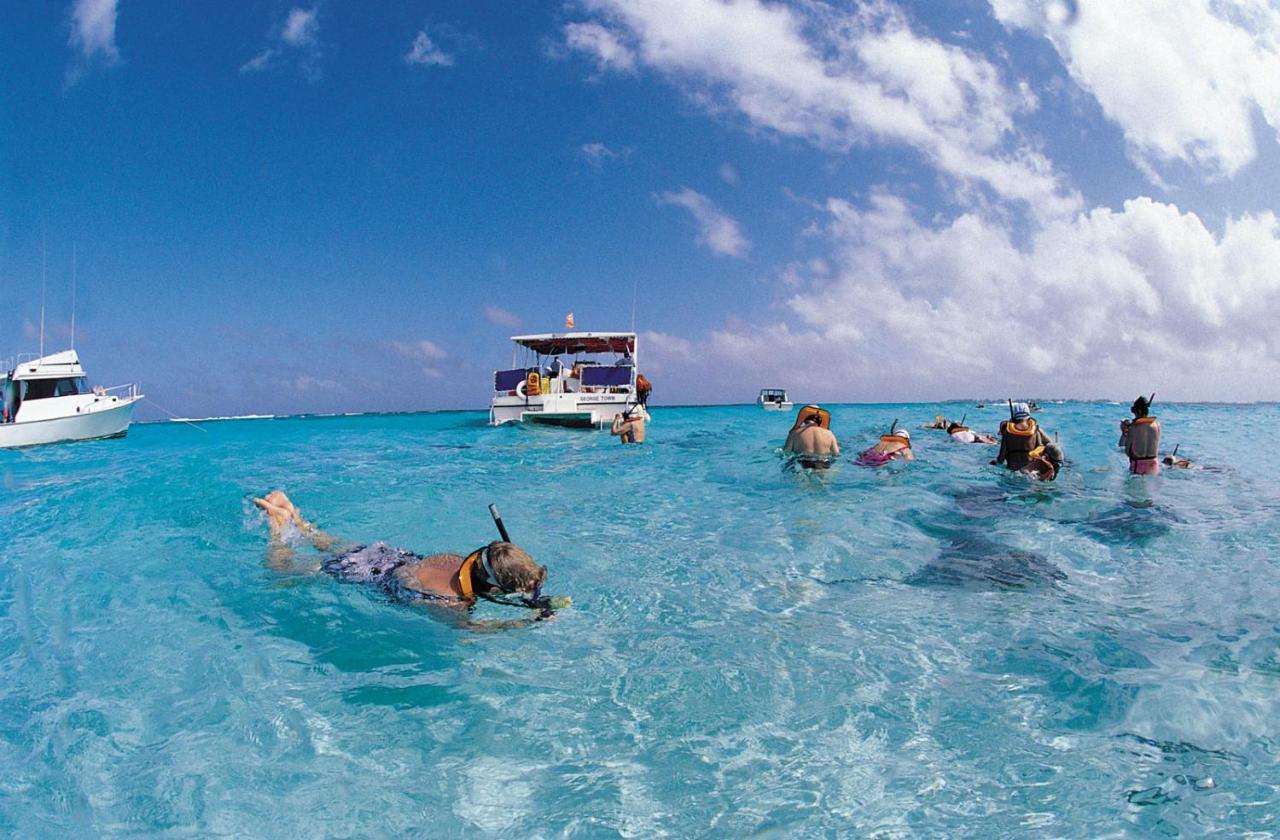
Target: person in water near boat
<point>498,571</point>
<point>1020,438</point>
<point>1140,438</point>
<point>628,426</point>
<point>895,446</point>
<point>811,439</point>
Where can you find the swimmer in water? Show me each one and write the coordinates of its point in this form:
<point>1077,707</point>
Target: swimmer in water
<point>500,571</point>
<point>629,426</point>
<point>1173,459</point>
<point>961,433</point>
<point>939,422</point>
<point>895,446</point>
<point>1045,463</point>
<point>811,439</point>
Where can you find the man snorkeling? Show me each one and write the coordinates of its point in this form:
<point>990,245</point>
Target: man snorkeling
<point>963,434</point>
<point>811,439</point>
<point>629,425</point>
<point>1045,463</point>
<point>499,571</point>
<point>1140,438</point>
<point>895,446</point>
<point>939,422</point>
<point>1020,437</point>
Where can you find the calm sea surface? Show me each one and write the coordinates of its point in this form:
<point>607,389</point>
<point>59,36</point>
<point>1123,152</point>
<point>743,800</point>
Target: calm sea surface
<point>935,649</point>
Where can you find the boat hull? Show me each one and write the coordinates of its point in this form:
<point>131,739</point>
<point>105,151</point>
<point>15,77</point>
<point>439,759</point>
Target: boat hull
<point>774,406</point>
<point>90,425</point>
<point>588,412</point>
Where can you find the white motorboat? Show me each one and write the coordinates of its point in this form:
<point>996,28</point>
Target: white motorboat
<point>774,399</point>
<point>48,400</point>
<point>580,379</point>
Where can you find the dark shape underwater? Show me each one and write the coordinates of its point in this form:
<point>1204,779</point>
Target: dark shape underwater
<point>975,563</point>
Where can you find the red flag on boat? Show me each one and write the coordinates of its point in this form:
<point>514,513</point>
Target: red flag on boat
<point>568,321</point>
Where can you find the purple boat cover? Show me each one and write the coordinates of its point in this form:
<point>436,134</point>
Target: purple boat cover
<point>606,375</point>
<point>507,380</point>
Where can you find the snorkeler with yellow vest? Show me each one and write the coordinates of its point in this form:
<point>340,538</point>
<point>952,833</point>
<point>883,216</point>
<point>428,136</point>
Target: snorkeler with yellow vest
<point>811,439</point>
<point>1140,438</point>
<point>499,571</point>
<point>1025,447</point>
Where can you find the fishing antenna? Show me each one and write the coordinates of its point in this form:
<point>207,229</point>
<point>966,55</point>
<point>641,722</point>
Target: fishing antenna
<point>497,520</point>
<point>635,286</point>
<point>43,272</point>
<point>73,296</point>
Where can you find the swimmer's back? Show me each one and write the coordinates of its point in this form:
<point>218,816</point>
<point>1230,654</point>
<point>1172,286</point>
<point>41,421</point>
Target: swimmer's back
<point>374,564</point>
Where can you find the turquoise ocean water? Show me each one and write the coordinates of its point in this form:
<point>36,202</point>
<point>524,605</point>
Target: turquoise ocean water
<point>937,649</point>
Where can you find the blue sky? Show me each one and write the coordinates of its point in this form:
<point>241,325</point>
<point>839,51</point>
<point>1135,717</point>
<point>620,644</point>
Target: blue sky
<point>283,207</point>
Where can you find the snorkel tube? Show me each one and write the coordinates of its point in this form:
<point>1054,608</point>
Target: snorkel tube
<point>536,601</point>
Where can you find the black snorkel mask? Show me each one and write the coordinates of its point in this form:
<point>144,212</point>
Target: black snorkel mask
<point>535,600</point>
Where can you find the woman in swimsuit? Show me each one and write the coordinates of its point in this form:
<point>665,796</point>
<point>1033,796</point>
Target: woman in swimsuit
<point>500,571</point>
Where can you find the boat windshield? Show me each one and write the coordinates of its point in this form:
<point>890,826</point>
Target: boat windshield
<point>39,389</point>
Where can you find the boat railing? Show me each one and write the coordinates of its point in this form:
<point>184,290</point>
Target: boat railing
<point>132,390</point>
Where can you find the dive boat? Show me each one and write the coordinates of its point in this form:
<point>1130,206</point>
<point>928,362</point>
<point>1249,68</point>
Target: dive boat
<point>774,399</point>
<point>578,379</point>
<point>48,400</point>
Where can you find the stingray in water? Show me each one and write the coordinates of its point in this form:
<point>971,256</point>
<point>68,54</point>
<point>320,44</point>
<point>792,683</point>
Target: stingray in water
<point>976,563</point>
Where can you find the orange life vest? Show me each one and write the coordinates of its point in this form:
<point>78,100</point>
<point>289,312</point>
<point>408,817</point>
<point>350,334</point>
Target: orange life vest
<point>1018,438</point>
<point>824,416</point>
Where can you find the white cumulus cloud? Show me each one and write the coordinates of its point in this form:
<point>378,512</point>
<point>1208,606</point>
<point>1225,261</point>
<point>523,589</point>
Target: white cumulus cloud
<point>1104,303</point>
<point>598,154</point>
<point>1183,80</point>
<point>717,230</point>
<point>296,39</point>
<point>424,51</point>
<point>501,317</point>
<point>836,78</point>
<point>609,52</point>
<point>301,28</point>
<point>93,35</point>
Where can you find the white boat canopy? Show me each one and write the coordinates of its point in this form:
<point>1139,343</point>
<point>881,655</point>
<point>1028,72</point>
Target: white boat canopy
<point>555,344</point>
<point>54,366</point>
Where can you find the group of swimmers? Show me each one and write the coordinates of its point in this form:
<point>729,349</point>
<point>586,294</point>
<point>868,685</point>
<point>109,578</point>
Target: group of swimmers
<point>504,573</point>
<point>1023,445</point>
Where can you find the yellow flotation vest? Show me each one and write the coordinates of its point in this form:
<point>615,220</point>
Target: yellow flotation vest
<point>533,384</point>
<point>464,575</point>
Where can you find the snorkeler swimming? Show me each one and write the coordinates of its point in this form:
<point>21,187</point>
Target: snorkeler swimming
<point>894,446</point>
<point>499,571</point>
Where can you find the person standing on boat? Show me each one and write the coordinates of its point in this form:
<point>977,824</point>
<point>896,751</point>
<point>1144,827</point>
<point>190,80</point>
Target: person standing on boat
<point>500,571</point>
<point>1140,438</point>
<point>811,438</point>
<point>629,425</point>
<point>1020,436</point>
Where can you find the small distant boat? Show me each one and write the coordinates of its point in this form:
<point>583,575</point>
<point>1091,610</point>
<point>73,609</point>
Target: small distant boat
<point>597,382</point>
<point>48,400</point>
<point>774,399</point>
